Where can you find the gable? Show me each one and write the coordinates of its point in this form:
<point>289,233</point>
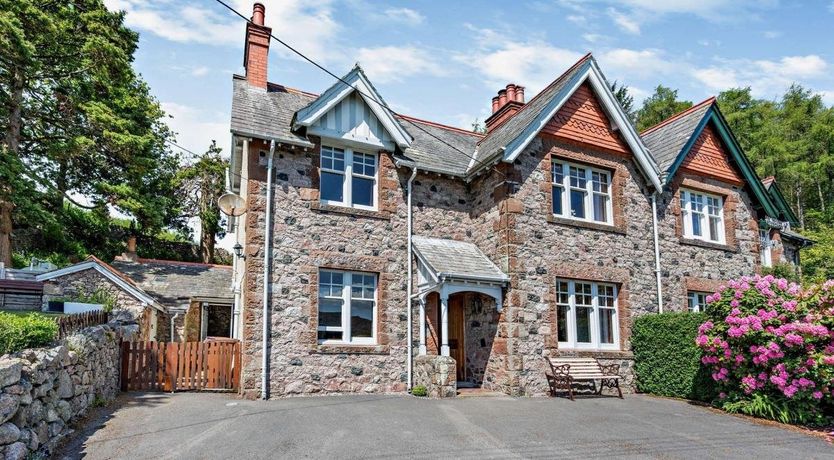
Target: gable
<point>582,119</point>
<point>352,120</point>
<point>709,156</point>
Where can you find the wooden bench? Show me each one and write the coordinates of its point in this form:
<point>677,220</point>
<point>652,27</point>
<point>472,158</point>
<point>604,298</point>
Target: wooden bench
<point>565,371</point>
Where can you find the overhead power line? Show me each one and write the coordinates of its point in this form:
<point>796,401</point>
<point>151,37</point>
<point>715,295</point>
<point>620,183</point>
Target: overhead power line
<point>366,96</point>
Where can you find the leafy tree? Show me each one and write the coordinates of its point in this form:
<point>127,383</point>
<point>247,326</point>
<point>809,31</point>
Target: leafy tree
<point>625,99</point>
<point>478,127</point>
<point>77,120</point>
<point>659,106</point>
<point>201,184</point>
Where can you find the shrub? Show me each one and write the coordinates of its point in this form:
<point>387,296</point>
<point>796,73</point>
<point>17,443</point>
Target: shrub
<point>419,390</point>
<point>770,346</point>
<point>25,331</point>
<point>99,296</point>
<point>667,361</point>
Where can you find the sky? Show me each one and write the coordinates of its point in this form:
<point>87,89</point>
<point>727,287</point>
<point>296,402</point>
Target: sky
<point>443,61</point>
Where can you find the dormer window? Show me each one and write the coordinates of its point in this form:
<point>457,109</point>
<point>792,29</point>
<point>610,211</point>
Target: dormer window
<point>348,178</point>
<point>702,216</point>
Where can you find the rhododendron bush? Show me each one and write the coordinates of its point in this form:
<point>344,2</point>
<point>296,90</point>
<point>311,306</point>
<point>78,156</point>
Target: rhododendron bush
<point>770,347</point>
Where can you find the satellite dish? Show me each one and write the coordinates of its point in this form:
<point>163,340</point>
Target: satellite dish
<point>232,205</point>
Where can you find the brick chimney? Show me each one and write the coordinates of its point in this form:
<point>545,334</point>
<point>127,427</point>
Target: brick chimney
<point>256,49</point>
<point>508,101</point>
<point>130,254</point>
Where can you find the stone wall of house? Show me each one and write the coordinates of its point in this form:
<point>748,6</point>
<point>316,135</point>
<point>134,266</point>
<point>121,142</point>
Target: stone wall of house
<point>437,374</point>
<point>699,266</point>
<point>43,390</point>
<point>87,282</point>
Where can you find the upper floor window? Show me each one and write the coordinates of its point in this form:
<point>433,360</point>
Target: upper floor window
<point>766,245</point>
<point>581,192</point>
<point>348,177</point>
<point>347,307</point>
<point>697,301</point>
<point>702,216</point>
<point>586,315</point>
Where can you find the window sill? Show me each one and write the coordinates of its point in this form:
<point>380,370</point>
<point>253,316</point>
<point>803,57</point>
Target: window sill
<point>707,244</point>
<point>329,208</point>
<point>553,219</point>
<point>585,353</point>
<point>346,348</point>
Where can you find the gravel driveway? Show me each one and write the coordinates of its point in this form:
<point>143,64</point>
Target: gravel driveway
<point>200,425</point>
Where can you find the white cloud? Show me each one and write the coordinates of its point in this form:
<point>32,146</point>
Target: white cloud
<point>393,63</point>
<point>200,71</point>
<point>196,128</point>
<point>831,7</point>
<point>827,96</point>
<point>772,34</point>
<point>311,25</point>
<point>645,63</point>
<point>405,16</point>
<point>625,22</point>
<point>577,19</point>
<point>593,38</point>
<point>766,78</point>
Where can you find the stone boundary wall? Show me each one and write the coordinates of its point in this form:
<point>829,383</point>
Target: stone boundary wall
<point>43,390</point>
<point>437,374</point>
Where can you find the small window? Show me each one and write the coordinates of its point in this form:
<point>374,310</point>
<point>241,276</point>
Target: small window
<point>581,193</point>
<point>348,178</point>
<point>702,216</point>
<point>347,307</point>
<point>766,245</point>
<point>697,301</point>
<point>586,315</point>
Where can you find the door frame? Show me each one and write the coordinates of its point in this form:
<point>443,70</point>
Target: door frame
<point>457,332</point>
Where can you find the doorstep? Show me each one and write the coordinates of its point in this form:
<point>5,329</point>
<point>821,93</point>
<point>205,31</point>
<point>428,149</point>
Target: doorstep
<point>478,392</point>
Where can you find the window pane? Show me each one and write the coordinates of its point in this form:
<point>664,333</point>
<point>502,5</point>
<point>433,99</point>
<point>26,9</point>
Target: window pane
<point>606,325</point>
<point>583,324</point>
<point>562,293</point>
<point>562,323</point>
<point>600,182</point>
<point>332,158</point>
<point>364,164</point>
<point>330,312</point>
<point>363,191</point>
<point>713,229</point>
<point>600,208</point>
<point>330,335</point>
<point>331,186</point>
<point>557,200</point>
<point>584,296</point>
<point>361,318</point>
<point>696,224</point>
<point>577,177</point>
<point>558,173</point>
<point>577,203</point>
<point>691,301</point>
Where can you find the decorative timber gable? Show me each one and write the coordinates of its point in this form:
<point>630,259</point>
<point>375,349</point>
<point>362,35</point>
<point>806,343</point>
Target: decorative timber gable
<point>582,119</point>
<point>709,157</point>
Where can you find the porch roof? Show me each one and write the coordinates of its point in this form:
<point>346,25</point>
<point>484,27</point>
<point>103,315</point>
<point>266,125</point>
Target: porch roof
<point>450,259</point>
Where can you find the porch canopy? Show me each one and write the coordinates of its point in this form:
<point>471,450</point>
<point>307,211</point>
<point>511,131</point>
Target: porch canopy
<point>446,267</point>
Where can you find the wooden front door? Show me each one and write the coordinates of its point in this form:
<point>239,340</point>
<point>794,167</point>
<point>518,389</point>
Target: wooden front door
<point>456,337</point>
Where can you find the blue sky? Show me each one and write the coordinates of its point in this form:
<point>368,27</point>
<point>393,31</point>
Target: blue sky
<point>444,61</point>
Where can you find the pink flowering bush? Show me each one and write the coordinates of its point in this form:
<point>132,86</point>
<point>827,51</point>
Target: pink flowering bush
<point>769,345</point>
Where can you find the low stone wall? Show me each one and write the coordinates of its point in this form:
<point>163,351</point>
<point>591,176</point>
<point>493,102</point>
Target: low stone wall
<point>437,374</point>
<point>43,390</point>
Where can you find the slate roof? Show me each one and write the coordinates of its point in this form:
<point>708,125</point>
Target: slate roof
<point>457,259</point>
<point>435,149</point>
<point>666,139</point>
<point>503,134</point>
<point>170,283</point>
<point>267,114</point>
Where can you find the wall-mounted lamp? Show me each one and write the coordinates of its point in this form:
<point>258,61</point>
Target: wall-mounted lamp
<point>239,251</point>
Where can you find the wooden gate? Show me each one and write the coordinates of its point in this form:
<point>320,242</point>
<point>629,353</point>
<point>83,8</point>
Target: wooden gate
<point>179,366</point>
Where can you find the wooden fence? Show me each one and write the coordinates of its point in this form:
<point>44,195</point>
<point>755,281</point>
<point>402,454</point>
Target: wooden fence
<point>70,323</point>
<point>161,366</point>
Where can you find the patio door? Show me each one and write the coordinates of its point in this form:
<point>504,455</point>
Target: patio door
<point>456,338</point>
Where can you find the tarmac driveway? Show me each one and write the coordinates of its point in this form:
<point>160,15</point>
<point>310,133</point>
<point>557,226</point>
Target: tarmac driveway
<point>201,425</point>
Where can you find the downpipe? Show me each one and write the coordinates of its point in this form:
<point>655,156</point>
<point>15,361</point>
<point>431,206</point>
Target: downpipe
<point>410,287</point>
<point>267,266</point>
<point>657,271</point>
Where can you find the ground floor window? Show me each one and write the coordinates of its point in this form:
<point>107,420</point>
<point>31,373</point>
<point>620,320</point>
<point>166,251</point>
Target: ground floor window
<point>697,301</point>
<point>347,307</point>
<point>586,315</point>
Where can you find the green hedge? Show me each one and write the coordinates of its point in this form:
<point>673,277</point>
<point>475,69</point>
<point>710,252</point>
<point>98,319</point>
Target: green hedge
<point>666,360</point>
<point>25,331</point>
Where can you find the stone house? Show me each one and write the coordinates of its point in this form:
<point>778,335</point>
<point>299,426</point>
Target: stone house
<point>172,301</point>
<point>375,242</point>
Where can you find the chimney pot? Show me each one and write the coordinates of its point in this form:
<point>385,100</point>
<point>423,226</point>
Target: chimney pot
<point>519,94</point>
<point>495,106</point>
<point>511,92</point>
<point>502,98</point>
<point>258,11</point>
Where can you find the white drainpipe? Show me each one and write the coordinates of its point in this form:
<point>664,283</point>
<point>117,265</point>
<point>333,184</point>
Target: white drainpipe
<point>410,288</point>
<point>657,253</point>
<point>173,318</point>
<point>267,264</point>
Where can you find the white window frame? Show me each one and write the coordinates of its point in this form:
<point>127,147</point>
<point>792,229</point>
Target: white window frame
<point>349,174</point>
<point>766,245</point>
<point>696,301</point>
<point>704,215</point>
<point>588,190</point>
<point>570,342</point>
<point>346,297</point>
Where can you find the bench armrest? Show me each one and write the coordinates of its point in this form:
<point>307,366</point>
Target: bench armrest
<point>610,369</point>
